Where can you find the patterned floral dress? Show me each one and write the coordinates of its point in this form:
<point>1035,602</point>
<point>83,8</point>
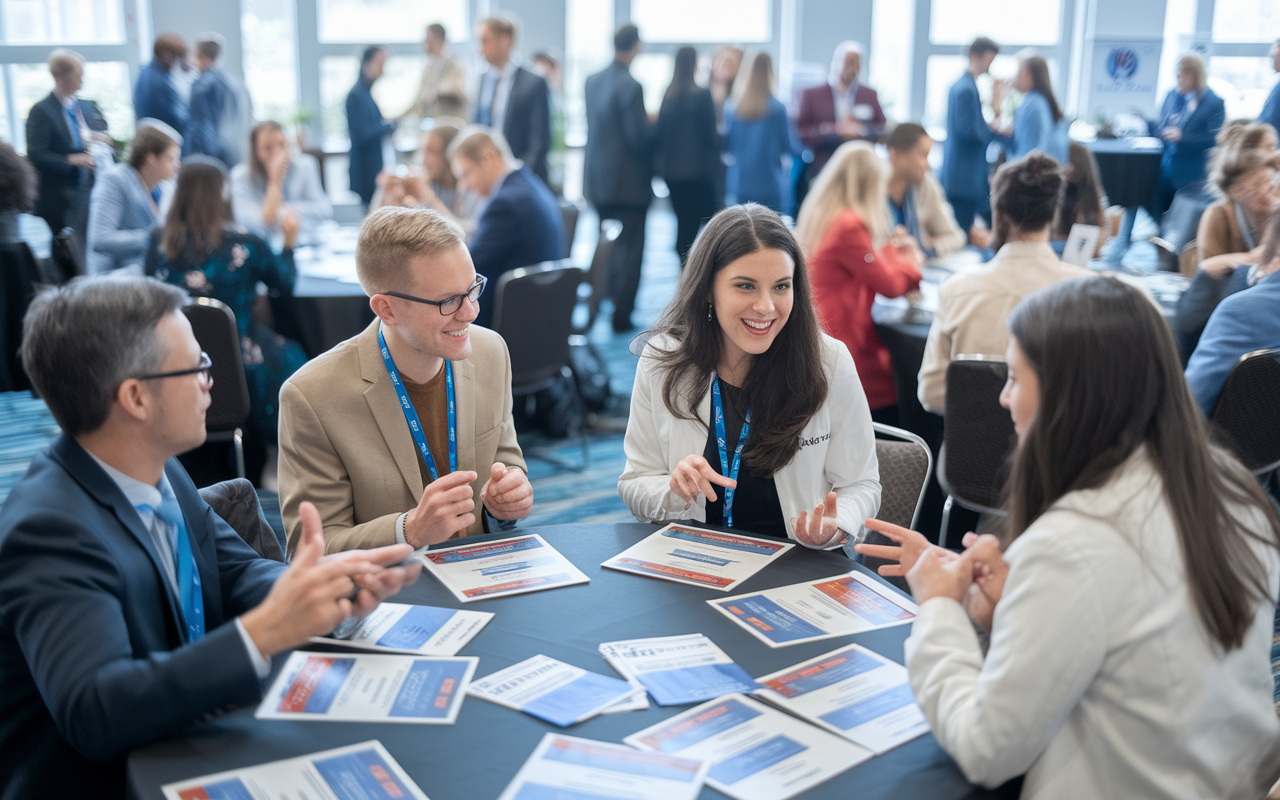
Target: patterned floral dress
<point>231,274</point>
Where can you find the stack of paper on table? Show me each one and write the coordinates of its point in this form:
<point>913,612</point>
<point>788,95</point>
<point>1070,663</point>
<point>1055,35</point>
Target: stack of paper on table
<point>698,557</point>
<point>364,771</point>
<point>678,669</point>
<point>365,688</point>
<point>568,768</point>
<point>853,693</point>
<point>755,752</point>
<point>421,630</point>
<point>498,569</point>
<point>560,693</point>
<point>821,609</point>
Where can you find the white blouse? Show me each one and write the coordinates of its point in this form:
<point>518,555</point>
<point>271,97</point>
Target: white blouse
<point>1101,680</point>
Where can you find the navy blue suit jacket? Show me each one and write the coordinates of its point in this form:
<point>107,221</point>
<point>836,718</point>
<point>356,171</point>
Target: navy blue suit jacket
<point>366,127</point>
<point>48,145</point>
<point>1244,322</point>
<point>520,226</point>
<point>155,96</point>
<point>527,123</point>
<point>618,163</point>
<point>964,153</point>
<point>1271,109</point>
<point>1184,160</point>
<point>91,657</point>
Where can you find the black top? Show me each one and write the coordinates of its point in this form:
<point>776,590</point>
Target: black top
<point>756,508</point>
<point>686,140</point>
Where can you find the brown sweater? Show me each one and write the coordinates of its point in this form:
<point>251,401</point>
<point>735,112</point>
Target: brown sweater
<point>1219,231</point>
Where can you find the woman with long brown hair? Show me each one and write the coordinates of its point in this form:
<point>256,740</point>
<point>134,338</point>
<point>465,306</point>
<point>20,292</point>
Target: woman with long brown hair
<point>199,249</point>
<point>744,414</point>
<point>274,183</point>
<point>1131,611</point>
<point>758,137</point>
<point>1038,123</point>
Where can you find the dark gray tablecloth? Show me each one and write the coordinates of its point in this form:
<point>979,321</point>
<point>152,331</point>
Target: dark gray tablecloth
<point>1129,172</point>
<point>476,758</point>
<point>328,311</point>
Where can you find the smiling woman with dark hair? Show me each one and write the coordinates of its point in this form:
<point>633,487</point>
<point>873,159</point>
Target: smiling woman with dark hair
<point>744,414</point>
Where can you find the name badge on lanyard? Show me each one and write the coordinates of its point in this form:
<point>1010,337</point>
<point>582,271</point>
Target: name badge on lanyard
<point>411,414</point>
<point>730,471</point>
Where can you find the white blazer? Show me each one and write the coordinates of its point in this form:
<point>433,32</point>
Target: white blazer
<point>1101,680</point>
<point>837,449</point>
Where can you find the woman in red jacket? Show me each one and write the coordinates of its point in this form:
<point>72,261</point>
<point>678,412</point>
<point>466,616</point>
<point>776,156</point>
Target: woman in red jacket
<point>853,255</point>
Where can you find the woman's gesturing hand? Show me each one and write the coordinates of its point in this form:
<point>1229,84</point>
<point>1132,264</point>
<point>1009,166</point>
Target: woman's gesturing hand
<point>694,476</point>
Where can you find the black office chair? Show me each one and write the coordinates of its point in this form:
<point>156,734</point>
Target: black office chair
<point>66,255</point>
<point>20,277</point>
<point>214,326</point>
<point>597,278</point>
<point>977,438</point>
<point>905,465</point>
<point>569,212</point>
<point>533,312</point>
<point>1245,418</point>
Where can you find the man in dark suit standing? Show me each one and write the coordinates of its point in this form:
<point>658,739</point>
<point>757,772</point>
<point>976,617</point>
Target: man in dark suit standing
<point>154,95</point>
<point>512,99</point>
<point>127,608</point>
<point>57,142</point>
<point>964,153</point>
<point>366,127</point>
<point>619,167</point>
<point>840,110</point>
<point>521,224</point>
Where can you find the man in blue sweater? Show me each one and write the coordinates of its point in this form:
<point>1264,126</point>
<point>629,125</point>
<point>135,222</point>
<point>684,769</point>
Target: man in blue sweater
<point>154,95</point>
<point>221,113</point>
<point>964,153</point>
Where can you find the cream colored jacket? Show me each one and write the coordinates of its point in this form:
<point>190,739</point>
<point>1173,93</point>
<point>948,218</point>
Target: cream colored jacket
<point>937,218</point>
<point>974,308</point>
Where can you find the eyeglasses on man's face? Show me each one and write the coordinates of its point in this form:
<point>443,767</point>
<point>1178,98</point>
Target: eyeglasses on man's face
<point>202,369</point>
<point>450,305</point>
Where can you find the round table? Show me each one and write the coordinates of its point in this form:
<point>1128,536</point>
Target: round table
<point>1129,169</point>
<point>478,756</point>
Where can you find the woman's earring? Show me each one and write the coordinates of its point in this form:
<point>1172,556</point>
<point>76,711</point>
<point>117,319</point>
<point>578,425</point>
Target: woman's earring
<point>710,312</point>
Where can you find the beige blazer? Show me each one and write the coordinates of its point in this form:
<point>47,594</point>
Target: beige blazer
<point>937,218</point>
<point>974,307</point>
<point>345,445</point>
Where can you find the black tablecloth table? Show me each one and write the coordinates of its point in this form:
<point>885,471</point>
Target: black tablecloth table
<point>475,758</point>
<point>1128,170</point>
<point>328,312</point>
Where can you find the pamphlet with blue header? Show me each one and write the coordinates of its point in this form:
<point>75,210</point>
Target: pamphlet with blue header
<point>364,771</point>
<point>755,752</point>
<point>368,688</point>
<point>822,609</point>
<point>678,669</point>
<point>852,692</point>
<point>419,630</point>
<point>500,568</point>
<point>560,693</point>
<point>699,557</point>
<point>569,768</point>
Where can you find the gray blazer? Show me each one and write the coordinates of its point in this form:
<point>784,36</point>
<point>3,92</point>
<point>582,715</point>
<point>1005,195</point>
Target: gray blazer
<point>302,192</point>
<point>120,221</point>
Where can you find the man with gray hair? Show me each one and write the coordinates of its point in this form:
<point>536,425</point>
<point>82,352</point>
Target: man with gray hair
<point>521,223</point>
<point>221,112</point>
<point>128,609</point>
<point>404,433</point>
<point>840,110</point>
<point>58,139</point>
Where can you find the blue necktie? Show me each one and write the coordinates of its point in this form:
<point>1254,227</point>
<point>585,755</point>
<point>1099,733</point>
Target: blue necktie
<point>484,114</point>
<point>188,575</point>
<point>155,198</point>
<point>75,127</point>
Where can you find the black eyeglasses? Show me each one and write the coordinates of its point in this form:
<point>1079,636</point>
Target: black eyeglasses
<point>449,305</point>
<point>202,370</point>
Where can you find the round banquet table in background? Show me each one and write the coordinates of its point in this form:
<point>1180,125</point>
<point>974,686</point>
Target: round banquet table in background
<point>1129,169</point>
<point>475,758</point>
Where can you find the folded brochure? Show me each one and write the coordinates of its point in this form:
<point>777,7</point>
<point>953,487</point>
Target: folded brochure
<point>678,669</point>
<point>559,693</point>
<point>698,557</point>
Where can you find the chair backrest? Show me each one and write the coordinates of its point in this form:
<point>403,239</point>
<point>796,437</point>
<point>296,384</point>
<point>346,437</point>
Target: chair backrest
<point>1181,221</point>
<point>19,278</point>
<point>1189,259</point>
<point>1246,417</point>
<point>977,434</point>
<point>598,273</point>
<point>905,463</point>
<point>67,254</point>
<point>569,212</point>
<point>533,312</point>
<point>214,326</point>
<point>237,503</point>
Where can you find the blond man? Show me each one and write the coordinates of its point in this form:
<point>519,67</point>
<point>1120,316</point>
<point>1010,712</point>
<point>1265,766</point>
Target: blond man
<point>404,432</point>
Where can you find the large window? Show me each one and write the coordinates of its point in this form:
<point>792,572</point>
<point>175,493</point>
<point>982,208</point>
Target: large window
<point>269,44</point>
<point>394,92</point>
<point>1028,23</point>
<point>681,21</point>
<point>1246,20</point>
<point>1239,70</point>
<point>56,22</point>
<point>366,21</point>
<point>890,68</point>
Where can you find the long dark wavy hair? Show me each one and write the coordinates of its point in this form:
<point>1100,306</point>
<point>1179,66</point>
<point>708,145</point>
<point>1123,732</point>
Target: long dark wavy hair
<point>1039,70</point>
<point>786,384</point>
<point>682,77</point>
<point>200,213</point>
<point>1111,381</point>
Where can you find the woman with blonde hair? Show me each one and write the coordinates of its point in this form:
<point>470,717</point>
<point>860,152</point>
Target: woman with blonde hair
<point>854,254</point>
<point>1190,119</point>
<point>757,137</point>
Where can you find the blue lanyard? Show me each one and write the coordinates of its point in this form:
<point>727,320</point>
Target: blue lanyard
<point>411,415</point>
<point>725,469</point>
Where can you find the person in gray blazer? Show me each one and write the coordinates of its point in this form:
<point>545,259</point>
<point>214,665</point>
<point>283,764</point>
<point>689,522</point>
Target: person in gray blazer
<point>124,206</point>
<point>619,166</point>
